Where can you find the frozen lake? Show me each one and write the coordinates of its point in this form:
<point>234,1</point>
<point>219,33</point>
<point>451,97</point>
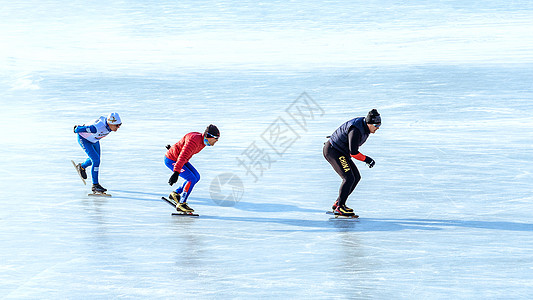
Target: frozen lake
<point>445,213</point>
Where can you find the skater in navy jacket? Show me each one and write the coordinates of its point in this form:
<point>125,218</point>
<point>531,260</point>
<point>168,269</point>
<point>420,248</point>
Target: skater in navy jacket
<point>339,150</point>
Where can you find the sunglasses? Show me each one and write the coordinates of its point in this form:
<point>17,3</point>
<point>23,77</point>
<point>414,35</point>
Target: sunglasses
<point>376,125</point>
<point>212,136</point>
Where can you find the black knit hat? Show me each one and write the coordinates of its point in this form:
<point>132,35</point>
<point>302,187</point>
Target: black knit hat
<point>212,130</point>
<point>373,117</point>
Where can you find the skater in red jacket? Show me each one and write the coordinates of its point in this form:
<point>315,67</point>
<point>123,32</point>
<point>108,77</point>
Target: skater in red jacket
<point>177,159</point>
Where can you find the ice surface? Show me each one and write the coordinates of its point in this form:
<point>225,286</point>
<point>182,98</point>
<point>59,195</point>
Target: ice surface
<point>445,213</point>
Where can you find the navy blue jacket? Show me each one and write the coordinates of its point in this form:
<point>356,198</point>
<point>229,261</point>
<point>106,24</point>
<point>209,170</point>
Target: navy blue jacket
<point>350,136</point>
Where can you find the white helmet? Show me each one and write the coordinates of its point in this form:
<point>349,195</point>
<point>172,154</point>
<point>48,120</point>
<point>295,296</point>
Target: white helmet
<point>114,119</point>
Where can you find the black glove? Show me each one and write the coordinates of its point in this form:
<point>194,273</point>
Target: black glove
<point>168,147</point>
<point>75,126</point>
<point>174,178</point>
<point>369,161</point>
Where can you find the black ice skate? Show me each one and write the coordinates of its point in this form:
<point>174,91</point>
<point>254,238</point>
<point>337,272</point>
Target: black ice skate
<point>346,208</point>
<point>342,211</point>
<point>98,190</point>
<point>81,171</point>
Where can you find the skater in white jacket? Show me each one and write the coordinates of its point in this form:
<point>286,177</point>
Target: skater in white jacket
<point>88,138</point>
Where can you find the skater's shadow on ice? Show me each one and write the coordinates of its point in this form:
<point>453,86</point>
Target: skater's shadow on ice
<point>442,224</point>
<point>373,224</point>
<point>327,224</point>
<point>362,224</point>
<point>255,207</point>
<point>272,207</point>
<point>246,206</point>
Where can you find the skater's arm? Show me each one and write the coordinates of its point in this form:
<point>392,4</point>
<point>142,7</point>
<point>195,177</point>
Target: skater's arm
<point>354,137</point>
<point>185,155</point>
<point>79,128</point>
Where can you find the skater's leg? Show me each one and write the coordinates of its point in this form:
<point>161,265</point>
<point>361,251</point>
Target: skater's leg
<point>180,189</point>
<point>356,175</point>
<point>95,158</point>
<point>191,176</point>
<point>170,164</point>
<point>344,166</point>
<point>87,163</point>
<point>348,184</point>
<point>85,145</point>
<point>93,151</point>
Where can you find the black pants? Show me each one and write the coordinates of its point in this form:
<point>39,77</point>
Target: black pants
<point>344,166</point>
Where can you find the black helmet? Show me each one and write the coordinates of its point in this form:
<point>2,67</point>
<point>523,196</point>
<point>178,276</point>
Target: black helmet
<point>373,117</point>
<point>212,130</point>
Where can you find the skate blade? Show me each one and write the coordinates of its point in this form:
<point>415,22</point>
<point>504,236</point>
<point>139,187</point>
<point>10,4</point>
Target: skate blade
<point>99,195</point>
<point>179,213</point>
<point>345,217</point>
<point>336,216</point>
<point>182,214</point>
<point>74,164</point>
<point>169,201</point>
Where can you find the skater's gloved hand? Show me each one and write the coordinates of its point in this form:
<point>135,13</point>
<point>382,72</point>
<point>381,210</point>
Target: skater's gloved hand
<point>75,126</point>
<point>369,161</point>
<point>168,147</point>
<point>174,178</point>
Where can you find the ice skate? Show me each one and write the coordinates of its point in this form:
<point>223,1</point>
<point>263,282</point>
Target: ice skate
<point>183,207</point>
<point>174,197</point>
<point>183,210</point>
<point>97,188</point>
<point>81,171</point>
<point>342,211</point>
<point>346,208</point>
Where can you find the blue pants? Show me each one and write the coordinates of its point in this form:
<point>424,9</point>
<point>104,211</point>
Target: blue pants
<point>93,151</point>
<point>190,175</point>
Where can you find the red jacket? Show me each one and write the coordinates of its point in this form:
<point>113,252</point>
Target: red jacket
<point>183,150</point>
